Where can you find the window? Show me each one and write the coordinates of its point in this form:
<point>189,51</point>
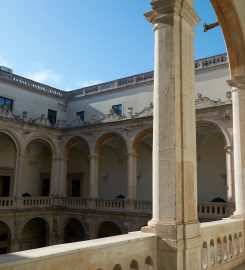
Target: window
<point>81,115</point>
<point>8,103</point>
<point>117,109</point>
<point>52,116</point>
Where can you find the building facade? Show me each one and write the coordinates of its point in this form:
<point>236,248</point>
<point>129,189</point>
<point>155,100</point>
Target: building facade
<point>78,165</point>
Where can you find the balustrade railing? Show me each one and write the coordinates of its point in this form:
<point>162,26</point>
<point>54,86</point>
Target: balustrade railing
<point>222,244</point>
<point>75,202</point>
<point>6,202</point>
<point>206,211</point>
<point>215,210</point>
<point>26,83</point>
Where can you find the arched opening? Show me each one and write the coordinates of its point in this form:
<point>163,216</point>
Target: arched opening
<point>117,267</point>
<point>134,265</point>
<point>108,228</point>
<point>5,238</point>
<point>7,165</point>
<point>211,165</point>
<point>112,167</point>
<point>144,168</point>
<point>36,173</point>
<point>148,263</point>
<point>78,168</point>
<point>34,234</point>
<point>74,231</point>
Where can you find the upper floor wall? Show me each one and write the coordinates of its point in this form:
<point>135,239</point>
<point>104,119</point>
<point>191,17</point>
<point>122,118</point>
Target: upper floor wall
<point>125,97</point>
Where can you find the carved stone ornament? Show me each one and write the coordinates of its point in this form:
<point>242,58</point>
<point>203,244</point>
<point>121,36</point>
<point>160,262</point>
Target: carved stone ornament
<point>163,11</point>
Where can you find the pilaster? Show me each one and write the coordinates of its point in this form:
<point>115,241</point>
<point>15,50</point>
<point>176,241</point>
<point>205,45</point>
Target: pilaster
<point>174,138</point>
<point>58,177</point>
<point>19,164</point>
<point>238,107</point>
<point>94,175</point>
<point>132,178</point>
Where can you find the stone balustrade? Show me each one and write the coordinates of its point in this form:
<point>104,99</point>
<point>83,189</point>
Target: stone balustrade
<point>110,204</point>
<point>75,202</point>
<point>6,203</point>
<point>214,211</point>
<point>107,86</point>
<point>206,211</point>
<point>211,61</point>
<point>222,244</point>
<point>131,251</point>
<point>29,84</point>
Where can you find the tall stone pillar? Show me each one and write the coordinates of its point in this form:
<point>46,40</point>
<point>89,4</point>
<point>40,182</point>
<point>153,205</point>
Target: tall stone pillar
<point>19,164</point>
<point>94,175</point>
<point>174,137</point>
<point>58,177</point>
<point>230,173</point>
<point>132,177</point>
<point>238,107</point>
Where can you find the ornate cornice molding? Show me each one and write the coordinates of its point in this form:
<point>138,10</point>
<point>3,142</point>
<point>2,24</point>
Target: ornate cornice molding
<point>163,11</point>
<point>238,82</point>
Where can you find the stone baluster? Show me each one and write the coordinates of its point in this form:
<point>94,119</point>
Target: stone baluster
<point>174,137</point>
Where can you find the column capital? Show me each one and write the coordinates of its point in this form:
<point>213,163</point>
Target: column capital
<point>59,159</point>
<point>237,82</point>
<point>94,156</point>
<point>164,11</point>
<point>132,154</point>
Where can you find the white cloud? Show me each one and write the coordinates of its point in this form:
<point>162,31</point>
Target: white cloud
<point>47,76</point>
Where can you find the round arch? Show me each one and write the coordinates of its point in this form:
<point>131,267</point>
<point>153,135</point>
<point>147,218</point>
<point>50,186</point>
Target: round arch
<point>107,229</point>
<point>37,174</point>
<point>225,134</point>
<point>106,137</point>
<point>43,139</point>
<point>77,152</point>
<point>212,182</point>
<point>74,231</point>
<point>228,17</point>
<point>16,141</point>
<point>71,142</point>
<point>112,149</point>
<point>139,137</point>
<point>5,238</point>
<point>35,234</point>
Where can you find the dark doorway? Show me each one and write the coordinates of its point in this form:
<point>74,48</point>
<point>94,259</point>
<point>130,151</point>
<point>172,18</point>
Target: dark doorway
<point>4,186</point>
<point>75,187</point>
<point>45,187</point>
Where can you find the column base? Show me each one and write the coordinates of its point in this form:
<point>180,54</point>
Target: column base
<point>178,245</point>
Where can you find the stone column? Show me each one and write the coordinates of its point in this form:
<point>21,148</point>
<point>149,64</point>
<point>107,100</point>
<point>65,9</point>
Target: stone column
<point>58,177</point>
<point>19,164</point>
<point>174,137</point>
<point>94,175</point>
<point>238,107</point>
<point>230,172</point>
<point>132,177</point>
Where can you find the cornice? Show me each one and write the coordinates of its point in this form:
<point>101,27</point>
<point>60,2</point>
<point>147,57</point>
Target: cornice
<point>237,82</point>
<point>163,11</point>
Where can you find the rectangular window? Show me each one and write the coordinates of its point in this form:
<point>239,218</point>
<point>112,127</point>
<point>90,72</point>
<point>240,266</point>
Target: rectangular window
<point>8,103</point>
<point>81,115</point>
<point>117,109</point>
<point>52,116</point>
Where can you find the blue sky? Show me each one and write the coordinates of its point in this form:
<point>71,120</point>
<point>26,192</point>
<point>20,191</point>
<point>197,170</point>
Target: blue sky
<point>75,43</point>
